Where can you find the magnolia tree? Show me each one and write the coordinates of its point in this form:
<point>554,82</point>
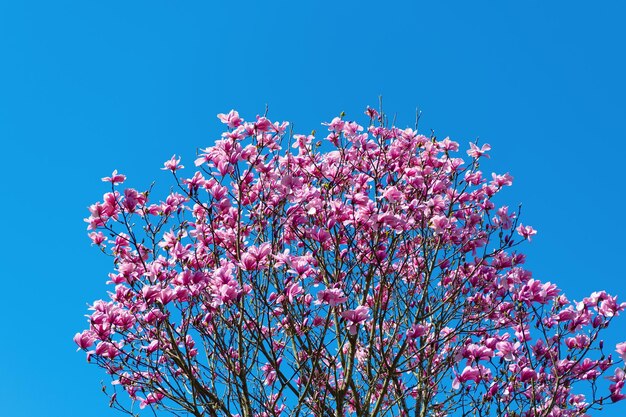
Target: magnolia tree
<point>367,273</point>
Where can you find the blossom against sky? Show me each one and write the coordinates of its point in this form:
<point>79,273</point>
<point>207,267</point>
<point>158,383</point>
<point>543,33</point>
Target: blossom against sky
<point>87,87</point>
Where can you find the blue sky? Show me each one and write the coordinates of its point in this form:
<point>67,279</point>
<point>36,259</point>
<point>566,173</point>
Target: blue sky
<point>91,86</point>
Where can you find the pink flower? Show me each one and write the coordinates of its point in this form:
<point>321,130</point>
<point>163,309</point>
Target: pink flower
<point>269,372</point>
<point>476,152</point>
<point>526,231</point>
<point>417,330</point>
<point>351,128</point>
<point>619,377</point>
<point>610,308</point>
<point>107,350</point>
<point>302,141</point>
<point>255,258</point>
<point>115,178</point>
<point>474,177</point>
<point>332,296</point>
<point>372,113</point>
<point>469,373</point>
<point>392,194</point>
<point>501,180</point>
<point>262,124</point>
<point>616,392</point>
<point>152,398</point>
<point>507,350</point>
<point>132,199</point>
<point>478,353</point>
<point>228,292</point>
<point>441,223</point>
<point>536,291</point>
<point>335,125</point>
<point>172,165</point>
<point>195,182</point>
<point>528,374</point>
<point>84,340</point>
<point>97,238</point>
<point>503,219</point>
<point>580,341</point>
<point>355,317</point>
<point>248,262</point>
<point>620,348</point>
<point>292,291</point>
<point>232,119</point>
<point>449,145</point>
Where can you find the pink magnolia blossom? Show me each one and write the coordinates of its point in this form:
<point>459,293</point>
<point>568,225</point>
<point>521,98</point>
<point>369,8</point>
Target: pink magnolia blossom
<point>269,372</point>
<point>476,152</point>
<point>620,348</point>
<point>618,379</point>
<point>172,164</point>
<point>528,374</point>
<point>231,119</point>
<point>478,353</point>
<point>471,373</point>
<point>355,317</point>
<point>262,124</point>
<point>336,124</point>
<point>332,296</point>
<point>501,180</point>
<point>392,194</point>
<point>115,178</point>
<point>609,307</point>
<point>507,350</point>
<point>292,291</point>
<point>449,145</point>
<point>151,398</point>
<point>417,330</point>
<point>85,339</point>
<point>526,231</point>
<point>371,113</point>
<point>249,262</point>
<point>97,238</point>
<point>441,223</point>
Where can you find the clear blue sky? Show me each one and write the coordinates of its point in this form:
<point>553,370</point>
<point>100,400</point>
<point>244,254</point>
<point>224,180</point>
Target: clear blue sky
<point>91,86</point>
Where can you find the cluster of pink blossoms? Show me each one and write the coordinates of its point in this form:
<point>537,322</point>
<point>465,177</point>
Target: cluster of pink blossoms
<point>365,273</point>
